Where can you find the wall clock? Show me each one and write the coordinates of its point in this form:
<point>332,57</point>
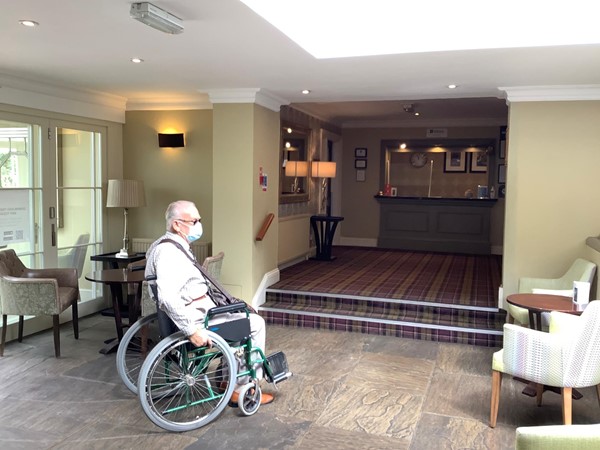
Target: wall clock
<point>418,159</point>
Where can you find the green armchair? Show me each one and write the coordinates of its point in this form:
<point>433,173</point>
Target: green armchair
<point>580,270</point>
<point>558,437</point>
<point>567,357</point>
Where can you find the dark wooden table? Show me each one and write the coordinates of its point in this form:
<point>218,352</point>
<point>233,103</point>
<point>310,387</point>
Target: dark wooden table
<point>114,263</point>
<point>115,279</point>
<point>536,304</point>
<point>324,230</point>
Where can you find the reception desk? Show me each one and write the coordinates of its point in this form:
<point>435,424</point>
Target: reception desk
<point>455,225</point>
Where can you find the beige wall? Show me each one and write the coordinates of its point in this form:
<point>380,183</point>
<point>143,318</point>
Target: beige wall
<point>246,137</point>
<point>169,174</point>
<point>552,188</point>
<point>359,208</point>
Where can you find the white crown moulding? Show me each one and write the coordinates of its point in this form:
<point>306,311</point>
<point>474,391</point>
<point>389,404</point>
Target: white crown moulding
<point>19,91</point>
<point>249,95</point>
<point>552,93</point>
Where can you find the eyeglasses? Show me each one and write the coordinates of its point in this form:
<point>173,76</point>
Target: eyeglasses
<point>192,221</point>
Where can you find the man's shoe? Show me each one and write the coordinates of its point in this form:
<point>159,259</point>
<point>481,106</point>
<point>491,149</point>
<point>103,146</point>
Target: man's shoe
<point>264,400</point>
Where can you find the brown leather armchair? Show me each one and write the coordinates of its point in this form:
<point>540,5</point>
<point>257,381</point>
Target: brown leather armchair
<point>36,292</point>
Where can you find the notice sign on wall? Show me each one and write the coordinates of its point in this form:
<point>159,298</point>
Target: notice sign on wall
<point>14,216</point>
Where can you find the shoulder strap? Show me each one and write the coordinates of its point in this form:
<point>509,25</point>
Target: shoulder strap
<point>214,282</point>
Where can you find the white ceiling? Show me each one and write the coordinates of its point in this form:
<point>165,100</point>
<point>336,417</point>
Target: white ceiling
<point>87,45</point>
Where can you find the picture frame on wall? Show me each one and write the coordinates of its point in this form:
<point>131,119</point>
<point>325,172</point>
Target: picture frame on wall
<point>360,152</point>
<point>360,163</point>
<point>361,175</point>
<point>455,161</point>
<point>502,173</point>
<point>479,162</point>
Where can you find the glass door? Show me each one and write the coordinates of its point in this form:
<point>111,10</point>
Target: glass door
<point>51,193</point>
<point>78,188</point>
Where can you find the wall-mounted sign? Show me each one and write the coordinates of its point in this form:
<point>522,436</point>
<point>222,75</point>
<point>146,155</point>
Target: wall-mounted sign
<point>436,132</point>
<point>14,216</point>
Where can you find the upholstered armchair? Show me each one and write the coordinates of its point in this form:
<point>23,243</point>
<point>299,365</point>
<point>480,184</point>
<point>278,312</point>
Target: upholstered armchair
<point>213,264</point>
<point>580,270</point>
<point>75,257</point>
<point>558,437</point>
<point>34,292</point>
<point>567,357</point>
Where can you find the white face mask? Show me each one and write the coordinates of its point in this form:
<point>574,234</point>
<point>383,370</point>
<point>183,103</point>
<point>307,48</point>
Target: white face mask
<point>195,232</point>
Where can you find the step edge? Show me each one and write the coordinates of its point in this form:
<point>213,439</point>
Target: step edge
<point>386,321</point>
<point>387,300</point>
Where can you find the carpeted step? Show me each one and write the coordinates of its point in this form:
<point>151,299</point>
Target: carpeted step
<point>417,320</point>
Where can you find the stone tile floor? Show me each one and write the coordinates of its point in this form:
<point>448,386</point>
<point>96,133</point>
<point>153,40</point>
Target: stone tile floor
<point>348,391</point>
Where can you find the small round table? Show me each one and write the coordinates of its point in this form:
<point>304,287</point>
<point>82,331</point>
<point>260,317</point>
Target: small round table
<point>536,304</point>
<point>116,278</point>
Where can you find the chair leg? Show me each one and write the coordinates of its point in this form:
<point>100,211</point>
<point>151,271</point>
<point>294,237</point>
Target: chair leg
<point>567,405</point>
<point>496,384</point>
<point>4,325</point>
<point>75,320</point>
<point>20,336</point>
<point>539,390</point>
<point>56,328</point>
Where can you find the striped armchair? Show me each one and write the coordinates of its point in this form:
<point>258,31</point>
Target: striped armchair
<point>567,357</point>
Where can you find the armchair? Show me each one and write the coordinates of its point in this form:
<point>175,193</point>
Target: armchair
<point>26,291</point>
<point>580,270</point>
<point>567,357</point>
<point>75,257</point>
<point>558,437</point>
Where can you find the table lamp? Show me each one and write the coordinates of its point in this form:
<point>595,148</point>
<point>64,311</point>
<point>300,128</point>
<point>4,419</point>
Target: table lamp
<point>296,169</point>
<point>324,170</point>
<point>125,194</point>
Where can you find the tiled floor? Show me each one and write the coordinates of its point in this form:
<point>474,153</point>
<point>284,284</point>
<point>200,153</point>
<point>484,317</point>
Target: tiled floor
<point>348,391</point>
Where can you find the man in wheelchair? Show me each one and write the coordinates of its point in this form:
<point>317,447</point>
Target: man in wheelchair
<point>183,292</point>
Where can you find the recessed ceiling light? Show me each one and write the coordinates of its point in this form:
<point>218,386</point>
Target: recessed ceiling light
<point>29,23</point>
<point>417,114</point>
<point>137,60</point>
<point>289,130</point>
<point>305,91</point>
<point>452,86</point>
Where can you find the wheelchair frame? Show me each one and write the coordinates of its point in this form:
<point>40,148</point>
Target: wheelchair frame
<point>182,387</point>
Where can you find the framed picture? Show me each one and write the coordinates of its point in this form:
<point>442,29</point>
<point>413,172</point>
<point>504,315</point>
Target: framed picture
<point>361,175</point>
<point>360,163</point>
<point>502,173</point>
<point>479,162</point>
<point>360,152</point>
<point>455,162</point>
<point>502,152</point>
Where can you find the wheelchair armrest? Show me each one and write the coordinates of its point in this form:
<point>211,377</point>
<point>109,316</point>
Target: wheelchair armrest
<point>234,307</point>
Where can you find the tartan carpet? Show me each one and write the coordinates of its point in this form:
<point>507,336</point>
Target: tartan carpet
<point>453,279</point>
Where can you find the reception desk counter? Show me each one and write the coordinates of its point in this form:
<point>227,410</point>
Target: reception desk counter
<point>456,225</point>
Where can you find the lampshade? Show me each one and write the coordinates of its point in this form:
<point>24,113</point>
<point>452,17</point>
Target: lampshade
<point>125,194</point>
<point>296,169</point>
<point>170,140</point>
<point>323,169</point>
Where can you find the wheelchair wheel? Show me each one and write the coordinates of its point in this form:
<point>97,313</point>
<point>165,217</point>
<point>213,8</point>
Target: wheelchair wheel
<point>249,398</point>
<point>136,344</point>
<point>182,387</point>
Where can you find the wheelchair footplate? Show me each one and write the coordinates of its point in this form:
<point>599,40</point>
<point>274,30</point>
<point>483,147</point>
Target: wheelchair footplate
<point>277,368</point>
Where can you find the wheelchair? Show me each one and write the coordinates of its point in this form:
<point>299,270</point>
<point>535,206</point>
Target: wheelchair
<point>182,387</point>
